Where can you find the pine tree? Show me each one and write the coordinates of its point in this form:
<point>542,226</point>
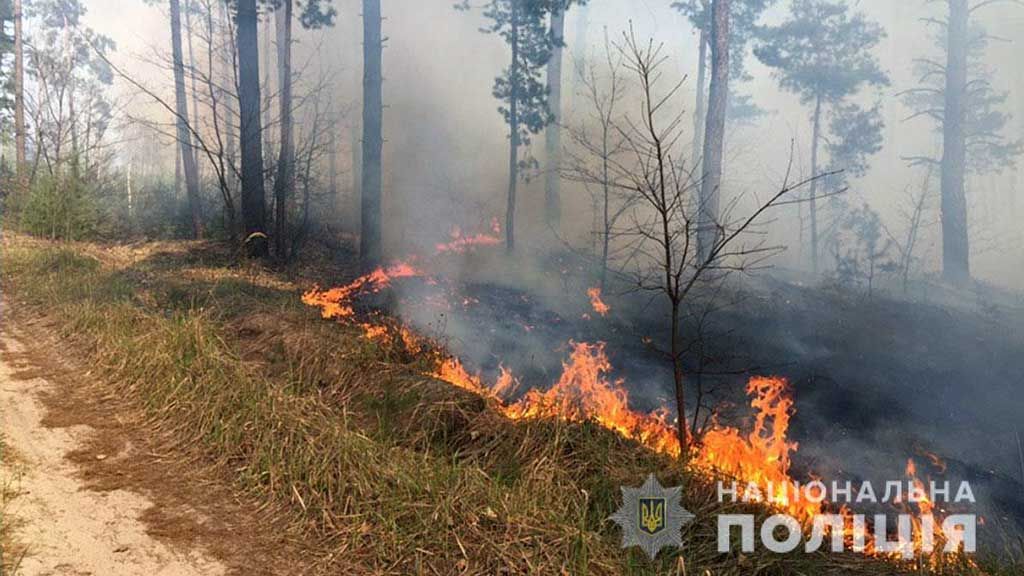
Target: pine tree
<point>313,16</point>
<point>553,132</point>
<point>967,111</point>
<point>714,137</point>
<point>744,27</point>
<point>520,88</point>
<point>251,129</point>
<point>823,54</point>
<point>370,248</point>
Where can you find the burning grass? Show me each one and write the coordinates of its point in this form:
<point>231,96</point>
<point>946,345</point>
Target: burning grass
<point>393,470</point>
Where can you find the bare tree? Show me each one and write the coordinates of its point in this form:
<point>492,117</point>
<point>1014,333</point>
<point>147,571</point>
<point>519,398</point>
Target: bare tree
<point>211,128</point>
<point>664,222</point>
<point>65,75</point>
<point>596,148</point>
<point>315,142</point>
<point>913,213</point>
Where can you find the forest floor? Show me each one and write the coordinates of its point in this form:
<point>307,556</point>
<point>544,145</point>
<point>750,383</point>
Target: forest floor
<point>200,419</point>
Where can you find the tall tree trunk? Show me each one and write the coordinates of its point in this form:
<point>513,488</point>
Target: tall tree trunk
<point>192,73</point>
<point>553,132</point>
<point>373,142</point>
<point>955,246</point>
<point>73,128</point>
<point>253,201</point>
<point>19,93</point>
<point>177,173</point>
<point>714,137</point>
<point>332,169</point>
<point>813,200</point>
<point>284,182</point>
<point>188,160</point>
<point>230,111</point>
<point>700,109</point>
<point>513,123</point>
<point>579,51</point>
<point>268,96</point>
<point>354,133</point>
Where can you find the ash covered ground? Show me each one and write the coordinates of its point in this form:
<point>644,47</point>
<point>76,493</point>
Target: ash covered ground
<point>932,376</point>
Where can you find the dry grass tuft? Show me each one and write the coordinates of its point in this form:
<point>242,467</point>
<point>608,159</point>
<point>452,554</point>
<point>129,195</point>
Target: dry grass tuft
<point>12,551</point>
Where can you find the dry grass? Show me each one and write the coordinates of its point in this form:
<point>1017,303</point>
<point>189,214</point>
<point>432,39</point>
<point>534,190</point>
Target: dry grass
<point>395,473</point>
<point>12,551</point>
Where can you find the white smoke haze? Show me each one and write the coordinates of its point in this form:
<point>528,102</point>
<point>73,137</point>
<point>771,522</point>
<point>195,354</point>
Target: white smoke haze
<point>447,145</point>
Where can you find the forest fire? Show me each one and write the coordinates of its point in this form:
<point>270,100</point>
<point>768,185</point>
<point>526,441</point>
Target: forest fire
<point>565,263</point>
<point>584,391</point>
<point>927,519</point>
<point>759,459</point>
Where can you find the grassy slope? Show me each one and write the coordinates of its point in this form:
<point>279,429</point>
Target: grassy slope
<point>396,473</point>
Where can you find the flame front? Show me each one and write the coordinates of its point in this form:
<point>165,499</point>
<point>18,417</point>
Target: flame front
<point>586,392</point>
<point>461,243</point>
<point>337,302</point>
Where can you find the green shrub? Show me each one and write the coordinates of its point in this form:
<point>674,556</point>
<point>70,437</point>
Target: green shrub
<point>59,207</point>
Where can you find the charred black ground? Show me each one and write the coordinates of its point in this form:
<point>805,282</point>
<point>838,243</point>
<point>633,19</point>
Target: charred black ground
<point>876,381</point>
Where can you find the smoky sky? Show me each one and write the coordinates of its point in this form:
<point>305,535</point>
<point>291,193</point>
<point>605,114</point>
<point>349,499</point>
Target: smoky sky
<point>446,145</point>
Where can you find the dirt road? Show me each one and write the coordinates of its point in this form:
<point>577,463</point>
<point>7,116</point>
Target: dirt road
<point>69,529</point>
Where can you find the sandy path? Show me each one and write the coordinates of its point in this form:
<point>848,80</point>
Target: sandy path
<point>68,528</point>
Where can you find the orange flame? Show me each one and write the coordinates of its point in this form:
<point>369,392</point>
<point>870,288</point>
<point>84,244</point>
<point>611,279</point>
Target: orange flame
<point>584,392</point>
<point>460,243</point>
<point>926,507</point>
<point>452,371</point>
<point>596,303</point>
<point>337,302</point>
<point>761,457</point>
